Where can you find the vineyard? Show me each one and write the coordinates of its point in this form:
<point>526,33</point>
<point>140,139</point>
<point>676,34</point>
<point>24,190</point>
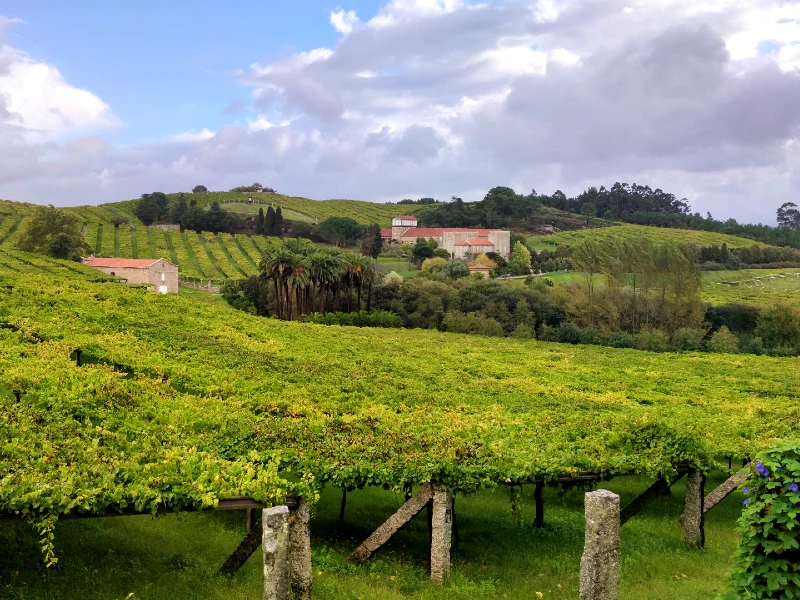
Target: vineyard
<point>180,403</point>
<point>654,234</point>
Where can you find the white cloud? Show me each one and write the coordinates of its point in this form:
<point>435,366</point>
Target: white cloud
<point>442,97</point>
<point>344,22</point>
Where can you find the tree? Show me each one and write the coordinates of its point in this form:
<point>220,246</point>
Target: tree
<point>588,209</point>
<point>178,210</point>
<point>199,189</point>
<point>340,231</point>
<point>162,201</point>
<point>269,222</point>
<point>788,216</point>
<point>147,209</point>
<point>372,244</point>
<point>779,326</point>
<point>278,221</point>
<point>53,232</point>
<point>455,269</point>
<point>422,250</point>
<point>260,222</point>
<point>519,263</point>
<point>217,219</point>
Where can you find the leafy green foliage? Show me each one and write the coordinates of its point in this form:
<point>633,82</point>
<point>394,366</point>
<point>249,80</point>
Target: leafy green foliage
<point>767,564</point>
<point>340,231</point>
<point>53,232</point>
<point>362,318</point>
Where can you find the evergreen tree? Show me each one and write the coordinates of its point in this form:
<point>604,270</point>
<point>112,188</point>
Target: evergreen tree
<point>519,263</point>
<point>269,222</point>
<point>260,221</point>
<point>278,221</point>
<point>178,210</point>
<point>147,209</point>
<point>372,244</point>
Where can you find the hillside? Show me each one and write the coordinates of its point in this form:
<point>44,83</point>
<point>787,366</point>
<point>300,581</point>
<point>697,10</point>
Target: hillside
<point>653,234</point>
<point>302,209</point>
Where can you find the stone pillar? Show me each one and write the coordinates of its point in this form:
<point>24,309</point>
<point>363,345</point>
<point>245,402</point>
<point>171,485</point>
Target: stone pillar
<point>693,519</point>
<point>275,544</point>
<point>441,532</point>
<point>600,566</point>
<point>300,551</point>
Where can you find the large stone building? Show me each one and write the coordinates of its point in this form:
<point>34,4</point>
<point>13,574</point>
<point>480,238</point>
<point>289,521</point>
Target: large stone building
<point>460,242</point>
<point>160,274</point>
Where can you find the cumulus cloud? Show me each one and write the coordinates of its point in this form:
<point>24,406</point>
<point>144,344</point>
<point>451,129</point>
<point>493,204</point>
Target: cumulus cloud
<point>444,97</point>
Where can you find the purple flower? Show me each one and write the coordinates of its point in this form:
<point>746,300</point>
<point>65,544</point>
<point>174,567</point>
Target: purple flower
<point>762,469</point>
<point>745,490</point>
<point>747,501</point>
<point>794,487</point>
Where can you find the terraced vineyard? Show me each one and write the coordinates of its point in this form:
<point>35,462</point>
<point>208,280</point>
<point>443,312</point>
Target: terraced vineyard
<point>297,208</point>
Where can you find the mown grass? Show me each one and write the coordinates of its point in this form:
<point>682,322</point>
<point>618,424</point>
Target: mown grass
<point>773,286</point>
<point>206,246</point>
<point>98,243</point>
<point>222,246</point>
<point>134,245</point>
<point>191,254</point>
<point>500,556</point>
<point>236,242</point>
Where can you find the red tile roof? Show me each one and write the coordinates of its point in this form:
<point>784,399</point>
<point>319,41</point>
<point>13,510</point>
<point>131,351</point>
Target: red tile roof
<point>120,263</point>
<point>477,242</point>
<point>410,217</point>
<point>438,231</point>
<point>386,233</point>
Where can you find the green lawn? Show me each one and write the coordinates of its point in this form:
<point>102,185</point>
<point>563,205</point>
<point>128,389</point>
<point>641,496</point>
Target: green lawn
<point>176,557</point>
<point>761,287</point>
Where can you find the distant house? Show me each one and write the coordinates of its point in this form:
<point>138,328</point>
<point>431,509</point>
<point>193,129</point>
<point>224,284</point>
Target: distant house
<point>460,242</point>
<point>160,274</point>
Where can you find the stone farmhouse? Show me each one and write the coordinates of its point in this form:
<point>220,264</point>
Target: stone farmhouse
<point>160,274</point>
<point>460,242</point>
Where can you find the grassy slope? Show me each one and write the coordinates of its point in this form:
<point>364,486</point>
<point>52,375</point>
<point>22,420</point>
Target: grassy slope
<point>774,286</point>
<point>655,234</point>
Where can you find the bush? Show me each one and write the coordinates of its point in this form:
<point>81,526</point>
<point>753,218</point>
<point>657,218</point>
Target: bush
<point>652,341</point>
<point>455,269</point>
<point>476,323</point>
<point>594,335</point>
<point>568,333</point>
<point>753,346</point>
<point>523,332</point>
<point>767,564</point>
<point>739,318</point>
<point>779,326</point>
<point>545,333</point>
<point>723,341</point>
<point>688,339</point>
<point>441,253</point>
<point>362,318</point>
<point>620,339</point>
<point>433,265</point>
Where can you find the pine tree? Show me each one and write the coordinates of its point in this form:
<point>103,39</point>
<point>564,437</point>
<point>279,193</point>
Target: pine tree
<point>260,221</point>
<point>269,223</point>
<point>278,221</point>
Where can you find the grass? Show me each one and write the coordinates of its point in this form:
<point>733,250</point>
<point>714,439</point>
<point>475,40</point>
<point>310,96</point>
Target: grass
<point>244,252</point>
<point>151,242</point>
<point>98,244</point>
<point>654,234</point>
<point>204,243</point>
<point>500,556</point>
<point>134,245</point>
<point>172,255</point>
<point>116,242</point>
<point>773,286</point>
<point>222,246</point>
<point>191,254</point>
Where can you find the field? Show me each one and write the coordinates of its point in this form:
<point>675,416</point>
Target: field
<point>760,287</point>
<point>194,401</point>
<point>632,232</point>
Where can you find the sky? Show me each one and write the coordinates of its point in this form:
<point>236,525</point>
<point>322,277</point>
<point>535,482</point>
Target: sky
<point>384,100</point>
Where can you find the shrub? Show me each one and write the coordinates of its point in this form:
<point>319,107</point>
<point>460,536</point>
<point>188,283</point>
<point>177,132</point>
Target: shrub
<point>545,333</point>
<point>523,331</point>
<point>688,339</point>
<point>393,278</point>
<point>455,269</point>
<point>779,326</point>
<point>441,253</point>
<point>433,265</point>
<point>362,318</point>
<point>458,322</point>
<point>739,318</point>
<point>767,564</point>
<point>653,341</point>
<point>753,346</point>
<point>620,339</point>
<point>594,335</point>
<point>568,333</point>
<point>724,341</point>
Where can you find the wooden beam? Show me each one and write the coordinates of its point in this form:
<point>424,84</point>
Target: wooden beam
<point>538,496</point>
<point>730,484</point>
<point>381,535</point>
<point>646,497</point>
<point>244,550</point>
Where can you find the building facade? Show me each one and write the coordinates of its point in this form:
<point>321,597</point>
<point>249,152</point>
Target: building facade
<point>461,242</point>
<point>158,273</point>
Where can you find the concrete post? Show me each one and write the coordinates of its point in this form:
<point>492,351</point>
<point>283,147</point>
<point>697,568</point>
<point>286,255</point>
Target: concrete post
<point>441,533</point>
<point>275,544</point>
<point>600,563</point>
<point>693,519</point>
<point>300,550</point>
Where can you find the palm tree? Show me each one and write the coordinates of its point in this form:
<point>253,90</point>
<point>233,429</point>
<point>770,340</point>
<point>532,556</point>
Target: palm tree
<point>295,281</point>
<point>275,261</point>
<point>326,268</point>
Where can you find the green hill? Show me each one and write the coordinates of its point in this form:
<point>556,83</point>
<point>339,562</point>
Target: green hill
<point>632,232</point>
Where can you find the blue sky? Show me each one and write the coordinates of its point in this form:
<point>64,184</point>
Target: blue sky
<point>389,99</point>
<point>166,66</point>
